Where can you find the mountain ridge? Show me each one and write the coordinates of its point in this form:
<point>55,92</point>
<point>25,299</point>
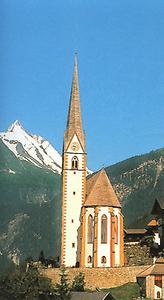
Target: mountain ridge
<point>137,181</point>
<point>30,201</point>
<point>33,148</point>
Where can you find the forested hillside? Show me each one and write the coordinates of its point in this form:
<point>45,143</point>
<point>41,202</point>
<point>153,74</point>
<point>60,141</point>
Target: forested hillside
<point>30,201</point>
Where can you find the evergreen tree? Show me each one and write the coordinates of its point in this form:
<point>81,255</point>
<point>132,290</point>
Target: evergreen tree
<point>63,288</point>
<point>25,284</point>
<point>41,257</point>
<point>78,283</point>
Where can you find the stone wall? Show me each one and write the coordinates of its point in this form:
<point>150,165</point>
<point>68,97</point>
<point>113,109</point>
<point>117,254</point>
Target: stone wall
<point>99,277</point>
<point>137,255</point>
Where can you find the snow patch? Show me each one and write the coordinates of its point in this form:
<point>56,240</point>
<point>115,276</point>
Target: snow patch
<point>11,171</point>
<point>32,148</point>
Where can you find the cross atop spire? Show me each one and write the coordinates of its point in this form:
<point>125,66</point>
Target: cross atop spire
<point>74,120</point>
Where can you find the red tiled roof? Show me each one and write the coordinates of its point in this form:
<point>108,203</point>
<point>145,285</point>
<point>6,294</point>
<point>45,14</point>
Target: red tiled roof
<point>152,223</point>
<point>156,269</point>
<point>100,191</point>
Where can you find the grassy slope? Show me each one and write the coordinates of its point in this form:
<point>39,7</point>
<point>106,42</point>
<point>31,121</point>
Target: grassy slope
<point>125,292</point>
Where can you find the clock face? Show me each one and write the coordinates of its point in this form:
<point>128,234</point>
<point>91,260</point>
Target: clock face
<point>75,146</point>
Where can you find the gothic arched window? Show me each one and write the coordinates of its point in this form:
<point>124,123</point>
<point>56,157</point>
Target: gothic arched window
<point>90,229</point>
<point>74,163</point>
<point>103,259</point>
<point>116,229</point>
<point>89,259</point>
<point>104,229</point>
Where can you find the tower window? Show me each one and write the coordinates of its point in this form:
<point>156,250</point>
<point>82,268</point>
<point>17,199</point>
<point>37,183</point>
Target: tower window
<point>104,229</point>
<point>74,193</point>
<point>74,163</point>
<point>73,245</point>
<point>103,260</point>
<point>89,259</point>
<point>90,229</point>
<point>72,221</point>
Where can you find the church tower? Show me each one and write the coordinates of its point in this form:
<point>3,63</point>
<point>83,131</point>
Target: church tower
<point>73,177</point>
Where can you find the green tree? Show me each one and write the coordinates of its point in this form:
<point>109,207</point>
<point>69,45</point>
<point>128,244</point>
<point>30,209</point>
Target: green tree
<point>6,263</point>
<point>63,288</point>
<point>25,283</point>
<point>78,283</point>
<point>41,257</point>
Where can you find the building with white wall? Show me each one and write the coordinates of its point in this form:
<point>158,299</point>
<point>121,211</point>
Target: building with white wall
<point>158,212</point>
<point>151,280</point>
<point>92,222</point>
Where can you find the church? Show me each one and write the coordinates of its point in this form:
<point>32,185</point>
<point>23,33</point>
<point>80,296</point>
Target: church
<point>92,221</point>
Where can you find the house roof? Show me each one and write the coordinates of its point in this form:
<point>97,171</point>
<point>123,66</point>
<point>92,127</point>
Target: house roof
<point>156,269</point>
<point>145,272</point>
<point>135,231</point>
<point>152,223</point>
<point>89,295</point>
<point>160,260</point>
<point>100,191</point>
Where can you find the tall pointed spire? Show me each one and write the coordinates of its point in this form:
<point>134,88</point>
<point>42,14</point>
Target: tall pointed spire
<point>74,120</point>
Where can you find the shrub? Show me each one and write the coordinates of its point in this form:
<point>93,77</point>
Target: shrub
<point>63,288</point>
<point>78,283</point>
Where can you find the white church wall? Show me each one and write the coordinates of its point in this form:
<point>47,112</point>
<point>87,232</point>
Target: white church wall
<point>117,246</point>
<point>157,290</point>
<point>104,249</point>
<point>89,246</point>
<point>157,238</point>
<point>74,192</point>
<point>73,213</point>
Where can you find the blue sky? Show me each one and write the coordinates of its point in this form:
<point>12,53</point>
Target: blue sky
<point>120,47</point>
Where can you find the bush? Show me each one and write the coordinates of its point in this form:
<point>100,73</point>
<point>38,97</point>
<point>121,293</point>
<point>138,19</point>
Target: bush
<point>78,283</point>
<point>25,283</point>
<point>63,288</point>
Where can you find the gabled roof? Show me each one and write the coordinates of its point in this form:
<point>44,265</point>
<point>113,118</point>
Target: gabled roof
<point>100,191</point>
<point>158,206</point>
<point>145,272</point>
<point>160,260</point>
<point>152,223</point>
<point>156,269</point>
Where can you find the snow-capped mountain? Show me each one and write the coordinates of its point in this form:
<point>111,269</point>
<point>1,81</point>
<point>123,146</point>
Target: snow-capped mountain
<point>32,148</point>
